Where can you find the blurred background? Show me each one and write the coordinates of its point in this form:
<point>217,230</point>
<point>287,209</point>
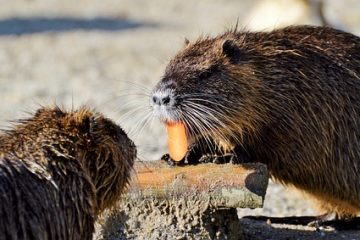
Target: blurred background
<point>109,54</point>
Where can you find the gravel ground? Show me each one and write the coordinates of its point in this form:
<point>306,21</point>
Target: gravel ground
<point>108,54</point>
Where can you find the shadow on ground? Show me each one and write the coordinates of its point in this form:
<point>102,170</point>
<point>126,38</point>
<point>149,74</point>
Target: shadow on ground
<point>31,25</point>
<point>116,227</point>
<point>258,230</point>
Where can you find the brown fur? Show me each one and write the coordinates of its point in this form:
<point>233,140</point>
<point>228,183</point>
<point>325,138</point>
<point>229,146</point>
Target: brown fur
<point>58,171</point>
<point>290,98</point>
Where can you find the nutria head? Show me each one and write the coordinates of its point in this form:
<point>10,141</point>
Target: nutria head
<point>77,144</point>
<point>210,86</point>
<point>240,83</point>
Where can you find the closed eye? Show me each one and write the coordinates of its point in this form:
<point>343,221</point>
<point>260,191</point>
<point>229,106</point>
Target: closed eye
<point>208,72</point>
<point>205,74</point>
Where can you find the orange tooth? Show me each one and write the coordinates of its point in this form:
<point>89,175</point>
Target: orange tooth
<point>177,140</point>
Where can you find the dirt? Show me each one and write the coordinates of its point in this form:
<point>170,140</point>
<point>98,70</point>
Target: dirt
<point>188,217</point>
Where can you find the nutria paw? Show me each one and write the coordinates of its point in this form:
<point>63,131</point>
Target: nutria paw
<point>200,152</point>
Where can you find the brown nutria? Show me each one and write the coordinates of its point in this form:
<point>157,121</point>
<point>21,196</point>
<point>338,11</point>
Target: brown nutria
<point>289,98</point>
<point>58,171</point>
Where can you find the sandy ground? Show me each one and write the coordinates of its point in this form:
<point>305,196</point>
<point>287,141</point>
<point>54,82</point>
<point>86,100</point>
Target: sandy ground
<point>109,54</point>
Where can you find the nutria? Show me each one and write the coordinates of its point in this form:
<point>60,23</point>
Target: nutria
<point>289,98</point>
<point>58,171</point>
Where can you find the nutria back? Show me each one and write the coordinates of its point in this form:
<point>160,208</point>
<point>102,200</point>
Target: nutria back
<point>289,98</point>
<point>58,171</point>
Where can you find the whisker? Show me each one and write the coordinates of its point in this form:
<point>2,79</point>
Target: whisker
<point>206,110</point>
<point>138,85</point>
<point>207,117</point>
<point>136,113</point>
<point>143,123</point>
<point>203,127</point>
<point>139,124</point>
<point>129,105</point>
<point>212,103</point>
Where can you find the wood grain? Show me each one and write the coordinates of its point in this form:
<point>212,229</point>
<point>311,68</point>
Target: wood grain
<point>225,185</point>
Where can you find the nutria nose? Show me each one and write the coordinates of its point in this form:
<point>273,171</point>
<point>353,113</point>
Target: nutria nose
<point>161,100</point>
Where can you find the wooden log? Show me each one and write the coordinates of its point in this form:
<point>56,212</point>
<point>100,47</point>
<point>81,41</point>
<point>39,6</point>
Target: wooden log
<point>187,202</point>
<point>222,185</point>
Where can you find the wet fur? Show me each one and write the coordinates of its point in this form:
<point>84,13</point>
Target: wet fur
<point>290,98</point>
<point>58,171</point>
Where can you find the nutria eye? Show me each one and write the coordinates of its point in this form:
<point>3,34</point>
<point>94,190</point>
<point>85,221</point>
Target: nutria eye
<point>205,75</point>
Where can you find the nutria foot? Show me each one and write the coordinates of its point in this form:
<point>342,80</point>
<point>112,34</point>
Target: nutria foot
<point>319,222</point>
<point>332,220</point>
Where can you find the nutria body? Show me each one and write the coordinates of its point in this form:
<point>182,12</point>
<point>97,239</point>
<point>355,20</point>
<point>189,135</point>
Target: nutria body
<point>58,171</point>
<point>289,98</point>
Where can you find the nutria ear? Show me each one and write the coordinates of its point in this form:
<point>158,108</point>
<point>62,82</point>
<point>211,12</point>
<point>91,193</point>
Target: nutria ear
<point>87,124</point>
<point>39,112</point>
<point>50,112</point>
<point>89,127</point>
<point>186,41</point>
<point>231,50</point>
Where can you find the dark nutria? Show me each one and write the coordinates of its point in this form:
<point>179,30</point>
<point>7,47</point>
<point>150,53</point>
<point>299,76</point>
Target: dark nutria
<point>58,171</point>
<point>289,98</point>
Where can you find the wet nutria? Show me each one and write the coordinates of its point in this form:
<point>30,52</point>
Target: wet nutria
<point>289,98</point>
<point>58,171</point>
